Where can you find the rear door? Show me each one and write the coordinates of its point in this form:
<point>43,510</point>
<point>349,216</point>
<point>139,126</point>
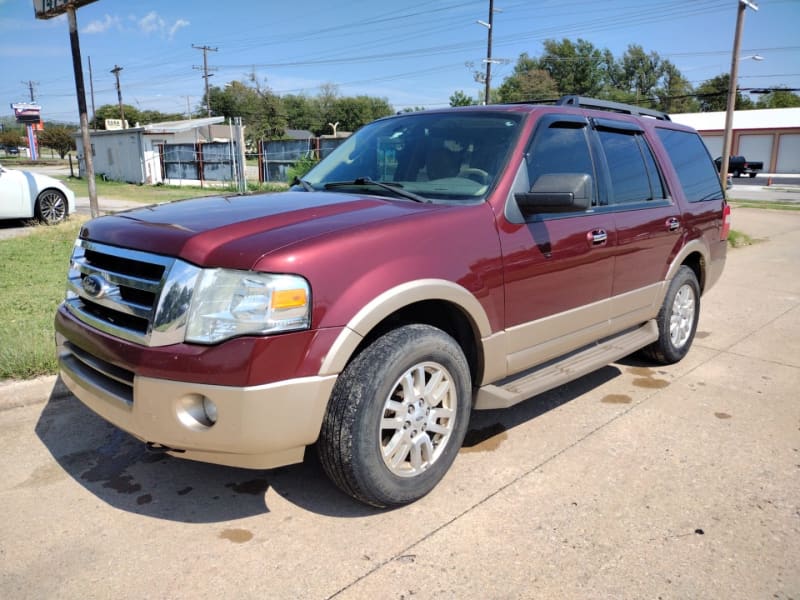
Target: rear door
<point>647,221</point>
<point>558,267</point>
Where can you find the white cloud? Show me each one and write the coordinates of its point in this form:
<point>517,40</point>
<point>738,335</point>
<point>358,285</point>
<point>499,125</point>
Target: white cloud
<point>179,24</point>
<point>103,25</point>
<point>151,22</point>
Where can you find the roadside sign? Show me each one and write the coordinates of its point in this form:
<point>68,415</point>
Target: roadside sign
<point>26,112</point>
<point>47,9</point>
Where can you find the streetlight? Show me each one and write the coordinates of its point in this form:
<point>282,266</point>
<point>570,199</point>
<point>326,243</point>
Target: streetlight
<point>726,140</point>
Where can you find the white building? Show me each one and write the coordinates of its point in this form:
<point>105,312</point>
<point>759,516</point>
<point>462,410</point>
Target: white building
<point>152,153</point>
<point>770,135</point>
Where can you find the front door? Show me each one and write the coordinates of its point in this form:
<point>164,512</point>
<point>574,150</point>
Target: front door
<point>558,267</point>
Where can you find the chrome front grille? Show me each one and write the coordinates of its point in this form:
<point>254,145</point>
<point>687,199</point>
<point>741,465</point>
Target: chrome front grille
<point>130,294</point>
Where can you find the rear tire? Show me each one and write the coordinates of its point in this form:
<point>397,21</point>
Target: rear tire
<point>677,319</point>
<point>397,417</point>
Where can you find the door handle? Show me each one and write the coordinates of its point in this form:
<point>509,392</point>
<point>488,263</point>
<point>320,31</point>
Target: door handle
<point>673,224</point>
<point>598,237</point>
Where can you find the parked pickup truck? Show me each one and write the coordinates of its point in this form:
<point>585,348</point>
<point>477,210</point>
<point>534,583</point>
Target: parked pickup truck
<point>436,263</point>
<point>738,166</point>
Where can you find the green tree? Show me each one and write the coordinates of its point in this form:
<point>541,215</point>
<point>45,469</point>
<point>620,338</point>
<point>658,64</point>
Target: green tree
<point>12,137</point>
<point>641,72</point>
<point>459,98</point>
<point>576,67</point>
<point>527,82</point>
<point>133,116</point>
<point>58,137</point>
<point>712,95</point>
<point>779,98</point>
<point>675,95</point>
<point>353,112</point>
<point>261,111</point>
<point>302,112</point>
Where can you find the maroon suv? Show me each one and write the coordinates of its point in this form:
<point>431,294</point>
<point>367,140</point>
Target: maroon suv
<point>436,263</point>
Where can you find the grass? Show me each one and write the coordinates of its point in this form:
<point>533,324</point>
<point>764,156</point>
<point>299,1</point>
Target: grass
<point>33,272</point>
<point>772,204</point>
<point>739,239</point>
<point>153,194</point>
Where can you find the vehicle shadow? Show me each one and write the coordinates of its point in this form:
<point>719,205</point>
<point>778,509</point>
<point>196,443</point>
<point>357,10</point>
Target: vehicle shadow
<point>120,471</point>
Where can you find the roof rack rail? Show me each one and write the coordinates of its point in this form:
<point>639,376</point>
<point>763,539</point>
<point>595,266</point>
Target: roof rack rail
<point>628,109</point>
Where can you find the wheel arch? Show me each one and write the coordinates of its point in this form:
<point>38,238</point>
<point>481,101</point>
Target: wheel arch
<point>695,256</point>
<point>439,303</point>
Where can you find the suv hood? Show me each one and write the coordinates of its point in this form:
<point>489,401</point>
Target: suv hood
<point>234,232</point>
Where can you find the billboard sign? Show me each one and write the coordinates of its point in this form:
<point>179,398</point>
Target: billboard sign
<point>27,113</point>
<point>47,9</point>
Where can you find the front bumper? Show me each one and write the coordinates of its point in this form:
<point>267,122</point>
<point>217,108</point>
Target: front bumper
<point>257,426</point>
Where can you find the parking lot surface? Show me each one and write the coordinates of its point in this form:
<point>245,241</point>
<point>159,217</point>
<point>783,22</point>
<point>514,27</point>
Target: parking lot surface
<point>633,482</point>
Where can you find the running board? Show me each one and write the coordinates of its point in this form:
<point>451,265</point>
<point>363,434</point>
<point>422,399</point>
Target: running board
<point>530,383</point>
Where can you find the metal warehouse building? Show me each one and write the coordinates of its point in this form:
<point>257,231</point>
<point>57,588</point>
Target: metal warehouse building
<point>769,135</point>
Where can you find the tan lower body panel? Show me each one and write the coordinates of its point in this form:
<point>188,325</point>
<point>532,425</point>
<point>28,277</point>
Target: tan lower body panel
<point>256,427</point>
<point>570,367</point>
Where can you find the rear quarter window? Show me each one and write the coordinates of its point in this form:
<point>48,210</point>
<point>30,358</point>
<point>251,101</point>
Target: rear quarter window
<point>691,160</point>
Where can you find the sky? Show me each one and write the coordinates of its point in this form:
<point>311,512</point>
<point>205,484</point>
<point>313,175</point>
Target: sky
<point>411,53</point>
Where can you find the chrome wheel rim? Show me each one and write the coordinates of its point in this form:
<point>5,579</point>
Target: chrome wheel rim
<point>52,207</point>
<point>681,320</point>
<point>418,419</point>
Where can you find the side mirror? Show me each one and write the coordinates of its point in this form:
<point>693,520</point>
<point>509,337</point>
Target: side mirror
<point>557,193</point>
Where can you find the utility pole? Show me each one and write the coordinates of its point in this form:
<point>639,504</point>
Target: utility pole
<point>116,71</point>
<point>91,87</point>
<point>727,138</point>
<point>486,98</point>
<point>30,85</point>
<point>81,93</point>
<point>206,73</point>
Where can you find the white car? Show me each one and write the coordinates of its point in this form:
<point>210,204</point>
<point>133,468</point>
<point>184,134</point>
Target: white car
<point>25,195</point>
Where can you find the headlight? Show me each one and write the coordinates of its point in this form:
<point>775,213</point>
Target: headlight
<point>229,303</point>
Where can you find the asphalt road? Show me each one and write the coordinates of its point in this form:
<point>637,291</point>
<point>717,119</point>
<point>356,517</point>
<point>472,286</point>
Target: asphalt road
<point>634,482</point>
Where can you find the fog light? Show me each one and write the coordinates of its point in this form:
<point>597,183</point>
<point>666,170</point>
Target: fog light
<point>210,410</point>
<point>197,412</point>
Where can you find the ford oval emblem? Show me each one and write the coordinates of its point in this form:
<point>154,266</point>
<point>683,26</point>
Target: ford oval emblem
<point>94,285</point>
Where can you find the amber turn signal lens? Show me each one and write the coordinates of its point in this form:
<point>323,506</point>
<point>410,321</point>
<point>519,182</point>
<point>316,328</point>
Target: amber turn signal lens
<point>283,299</point>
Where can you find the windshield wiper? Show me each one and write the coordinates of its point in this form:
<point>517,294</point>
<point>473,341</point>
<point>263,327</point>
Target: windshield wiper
<point>395,188</point>
<point>306,186</point>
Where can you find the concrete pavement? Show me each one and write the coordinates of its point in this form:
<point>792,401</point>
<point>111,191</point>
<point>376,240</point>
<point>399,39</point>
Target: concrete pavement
<point>634,482</point>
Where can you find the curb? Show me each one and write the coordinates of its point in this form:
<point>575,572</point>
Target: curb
<point>18,393</point>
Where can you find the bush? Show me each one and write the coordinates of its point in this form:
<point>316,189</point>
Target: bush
<point>300,167</point>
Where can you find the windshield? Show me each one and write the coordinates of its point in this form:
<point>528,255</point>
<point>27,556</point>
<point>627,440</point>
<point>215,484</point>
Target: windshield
<point>454,156</point>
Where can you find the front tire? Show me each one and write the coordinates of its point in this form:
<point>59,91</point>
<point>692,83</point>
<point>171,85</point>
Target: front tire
<point>397,417</point>
<point>51,207</point>
<point>677,319</point>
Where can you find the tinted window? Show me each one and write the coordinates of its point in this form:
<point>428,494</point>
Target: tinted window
<point>626,166</point>
<point>696,171</point>
<point>561,147</point>
<point>451,156</point>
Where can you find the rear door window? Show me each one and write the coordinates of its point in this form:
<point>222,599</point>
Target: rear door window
<point>632,170</point>
<point>696,171</point>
